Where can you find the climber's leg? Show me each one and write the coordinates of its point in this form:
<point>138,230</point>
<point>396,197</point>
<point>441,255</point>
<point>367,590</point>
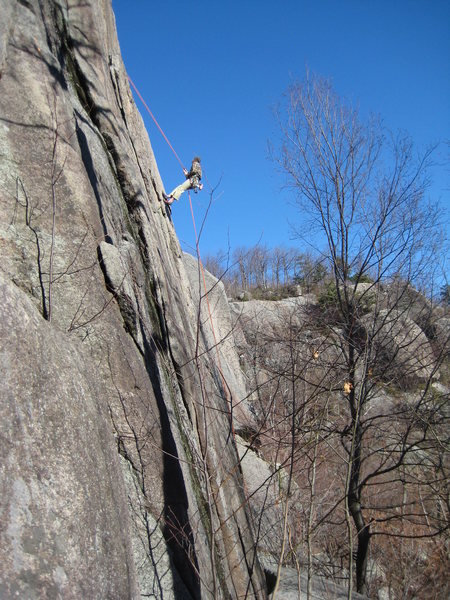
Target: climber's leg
<point>176,193</point>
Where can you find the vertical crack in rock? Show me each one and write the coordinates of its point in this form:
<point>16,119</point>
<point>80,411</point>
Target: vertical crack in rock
<point>88,163</point>
<point>177,528</point>
<point>134,511</point>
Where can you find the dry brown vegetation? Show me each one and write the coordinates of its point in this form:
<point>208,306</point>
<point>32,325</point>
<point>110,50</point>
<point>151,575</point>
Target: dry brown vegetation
<point>352,394</point>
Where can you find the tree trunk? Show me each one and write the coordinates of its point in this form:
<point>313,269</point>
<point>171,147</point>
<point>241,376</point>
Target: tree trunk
<point>362,553</point>
<point>354,492</point>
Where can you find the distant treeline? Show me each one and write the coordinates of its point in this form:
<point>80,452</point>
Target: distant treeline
<point>260,267</point>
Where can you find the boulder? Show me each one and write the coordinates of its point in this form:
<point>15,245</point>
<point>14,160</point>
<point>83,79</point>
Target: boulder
<point>404,353</point>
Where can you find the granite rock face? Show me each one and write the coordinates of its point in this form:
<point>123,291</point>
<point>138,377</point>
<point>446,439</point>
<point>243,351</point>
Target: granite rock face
<point>220,332</point>
<point>401,343</point>
<point>61,489</point>
<point>120,473</point>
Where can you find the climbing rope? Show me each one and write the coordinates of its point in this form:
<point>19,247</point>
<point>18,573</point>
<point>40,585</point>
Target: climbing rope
<point>156,122</point>
<point>219,366</point>
<point>197,247</point>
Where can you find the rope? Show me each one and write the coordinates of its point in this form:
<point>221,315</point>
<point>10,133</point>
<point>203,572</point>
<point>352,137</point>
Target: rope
<point>219,366</point>
<point>225,387</point>
<point>156,122</point>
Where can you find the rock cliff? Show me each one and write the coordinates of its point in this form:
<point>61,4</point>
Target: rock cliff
<point>120,474</point>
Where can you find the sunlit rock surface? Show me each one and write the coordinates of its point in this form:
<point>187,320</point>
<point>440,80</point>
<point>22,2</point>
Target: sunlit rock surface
<point>120,476</point>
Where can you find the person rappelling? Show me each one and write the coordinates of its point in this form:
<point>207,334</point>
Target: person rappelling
<point>193,177</point>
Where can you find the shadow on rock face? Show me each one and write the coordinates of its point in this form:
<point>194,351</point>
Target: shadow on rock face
<point>177,528</point>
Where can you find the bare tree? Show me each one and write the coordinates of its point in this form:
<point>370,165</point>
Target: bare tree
<point>309,271</point>
<point>276,264</point>
<point>364,192</point>
<point>240,258</point>
<point>259,264</point>
<point>213,264</point>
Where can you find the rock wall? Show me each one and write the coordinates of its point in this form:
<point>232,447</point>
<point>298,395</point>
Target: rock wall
<point>120,475</point>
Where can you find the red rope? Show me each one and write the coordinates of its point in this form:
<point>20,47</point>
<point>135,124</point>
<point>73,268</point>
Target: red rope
<point>156,122</point>
<point>225,387</point>
<point>219,366</point>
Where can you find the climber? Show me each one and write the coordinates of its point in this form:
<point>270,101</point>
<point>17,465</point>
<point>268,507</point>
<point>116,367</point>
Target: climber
<point>192,182</point>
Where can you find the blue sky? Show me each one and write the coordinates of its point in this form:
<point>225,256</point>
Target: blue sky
<point>211,72</point>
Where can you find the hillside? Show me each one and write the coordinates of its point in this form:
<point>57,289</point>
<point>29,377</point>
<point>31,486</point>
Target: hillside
<point>300,455</point>
<point>292,444</point>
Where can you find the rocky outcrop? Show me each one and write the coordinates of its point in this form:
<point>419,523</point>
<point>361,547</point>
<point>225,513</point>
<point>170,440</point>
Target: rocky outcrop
<point>270,315</point>
<point>219,331</point>
<point>402,344</point>
<point>120,475</point>
<point>294,585</point>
